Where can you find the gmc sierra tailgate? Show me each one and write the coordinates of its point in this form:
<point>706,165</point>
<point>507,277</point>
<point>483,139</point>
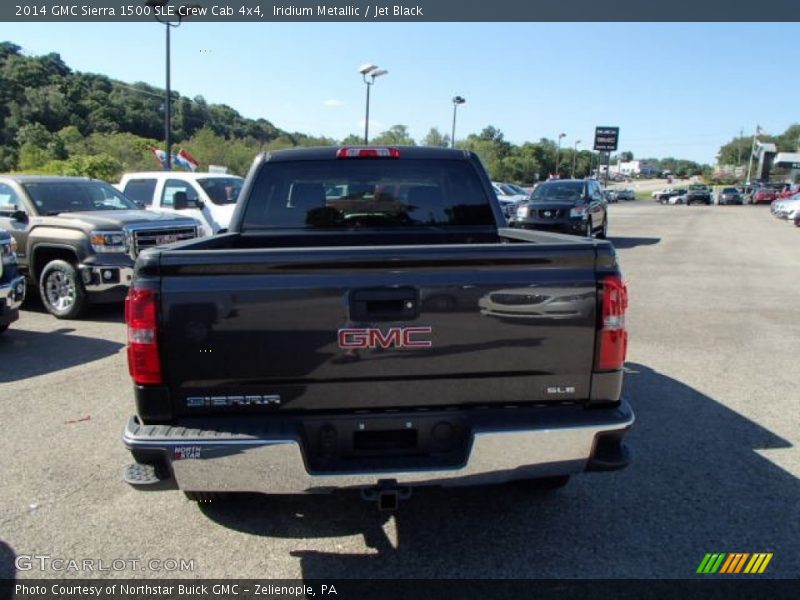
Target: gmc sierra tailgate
<point>363,328</point>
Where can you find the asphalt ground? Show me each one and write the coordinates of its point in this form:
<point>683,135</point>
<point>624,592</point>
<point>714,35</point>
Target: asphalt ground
<point>712,374</point>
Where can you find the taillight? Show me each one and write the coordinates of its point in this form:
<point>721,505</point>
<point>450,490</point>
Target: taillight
<point>368,153</point>
<point>141,315</point>
<point>613,336</point>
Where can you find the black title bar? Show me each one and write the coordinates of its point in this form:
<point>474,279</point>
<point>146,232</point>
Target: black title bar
<point>402,10</point>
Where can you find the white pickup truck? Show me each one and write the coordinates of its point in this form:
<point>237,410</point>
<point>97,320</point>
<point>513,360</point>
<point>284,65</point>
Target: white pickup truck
<point>207,197</point>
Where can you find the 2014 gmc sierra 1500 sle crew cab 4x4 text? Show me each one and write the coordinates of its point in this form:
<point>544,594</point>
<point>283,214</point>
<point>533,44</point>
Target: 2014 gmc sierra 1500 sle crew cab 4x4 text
<point>369,321</point>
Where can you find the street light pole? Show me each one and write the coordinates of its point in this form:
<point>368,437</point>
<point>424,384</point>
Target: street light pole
<point>168,92</point>
<point>574,159</point>
<point>373,71</point>
<point>558,152</point>
<point>366,119</point>
<point>456,101</point>
<point>168,110</point>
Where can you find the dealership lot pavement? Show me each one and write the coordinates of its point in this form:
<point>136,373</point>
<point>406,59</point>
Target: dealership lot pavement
<point>713,376</point>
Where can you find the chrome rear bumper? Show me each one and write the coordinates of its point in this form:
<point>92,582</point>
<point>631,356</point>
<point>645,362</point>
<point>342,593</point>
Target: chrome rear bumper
<point>205,460</point>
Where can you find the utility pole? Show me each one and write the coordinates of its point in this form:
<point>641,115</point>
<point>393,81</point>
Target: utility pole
<point>739,147</point>
<point>750,164</point>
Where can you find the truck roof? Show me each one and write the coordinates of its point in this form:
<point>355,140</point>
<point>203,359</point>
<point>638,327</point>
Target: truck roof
<point>45,178</point>
<point>329,153</point>
<point>181,175</point>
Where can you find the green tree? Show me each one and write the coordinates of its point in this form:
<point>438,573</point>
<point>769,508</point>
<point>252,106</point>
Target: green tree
<point>436,138</point>
<point>396,135</point>
<point>99,166</point>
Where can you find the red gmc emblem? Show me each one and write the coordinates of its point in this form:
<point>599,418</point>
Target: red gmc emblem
<point>397,337</point>
<point>169,238</point>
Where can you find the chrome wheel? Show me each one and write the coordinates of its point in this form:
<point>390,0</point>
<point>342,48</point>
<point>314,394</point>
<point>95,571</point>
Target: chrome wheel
<point>60,290</point>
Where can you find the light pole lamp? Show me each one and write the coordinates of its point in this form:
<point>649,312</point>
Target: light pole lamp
<point>558,152</point>
<point>574,159</point>
<point>373,71</point>
<point>456,101</point>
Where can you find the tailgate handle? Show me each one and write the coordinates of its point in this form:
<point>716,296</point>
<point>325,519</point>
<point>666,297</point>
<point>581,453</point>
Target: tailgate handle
<point>384,304</point>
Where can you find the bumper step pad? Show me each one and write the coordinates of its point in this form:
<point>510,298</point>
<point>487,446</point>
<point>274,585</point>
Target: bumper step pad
<point>146,477</point>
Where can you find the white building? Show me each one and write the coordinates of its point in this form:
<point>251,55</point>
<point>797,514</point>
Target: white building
<point>631,168</point>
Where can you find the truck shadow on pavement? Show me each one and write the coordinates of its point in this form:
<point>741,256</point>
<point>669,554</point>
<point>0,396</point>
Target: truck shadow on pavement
<point>111,312</point>
<point>632,242</point>
<point>697,484</point>
<point>26,354</point>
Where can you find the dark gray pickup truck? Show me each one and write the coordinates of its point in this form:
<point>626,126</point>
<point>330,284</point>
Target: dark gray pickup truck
<point>77,238</point>
<point>369,321</point>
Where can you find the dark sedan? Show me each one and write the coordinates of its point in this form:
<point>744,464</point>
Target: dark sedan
<point>574,206</point>
<point>730,195</point>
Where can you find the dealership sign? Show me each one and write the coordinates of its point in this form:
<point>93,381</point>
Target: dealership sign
<point>606,138</point>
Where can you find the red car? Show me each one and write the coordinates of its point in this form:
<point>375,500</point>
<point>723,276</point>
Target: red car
<point>764,195</point>
<point>789,191</point>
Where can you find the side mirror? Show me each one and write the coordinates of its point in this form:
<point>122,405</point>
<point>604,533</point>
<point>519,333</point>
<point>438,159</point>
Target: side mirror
<point>20,216</point>
<point>180,201</point>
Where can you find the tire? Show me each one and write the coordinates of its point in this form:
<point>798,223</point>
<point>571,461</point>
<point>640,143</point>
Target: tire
<point>604,233</point>
<point>542,484</point>
<point>61,290</point>
<point>3,328</point>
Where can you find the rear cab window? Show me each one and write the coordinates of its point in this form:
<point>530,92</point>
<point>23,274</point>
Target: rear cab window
<point>367,194</point>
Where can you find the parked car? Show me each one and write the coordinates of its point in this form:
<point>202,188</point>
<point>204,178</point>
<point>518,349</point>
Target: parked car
<point>626,194</point>
<point>788,191</point>
<point>610,195</point>
<point>664,195</point>
<point>574,206</point>
<point>786,208</point>
<point>12,283</point>
<point>730,195</point>
<point>678,198</point>
<point>508,198</point>
<point>763,195</point>
<point>698,194</point>
<point>658,193</point>
<point>309,306</point>
<point>207,197</point>
<point>78,238</point>
<point>519,189</point>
